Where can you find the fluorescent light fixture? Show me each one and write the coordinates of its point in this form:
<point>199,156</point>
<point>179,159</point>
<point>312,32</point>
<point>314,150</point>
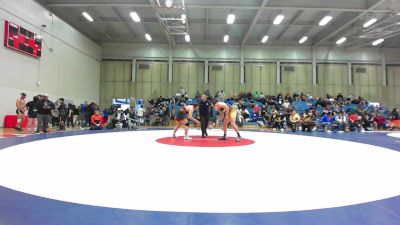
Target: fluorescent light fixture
<point>169,3</point>
<point>87,16</point>
<point>183,18</point>
<point>341,41</point>
<point>148,37</point>
<point>278,19</point>
<point>325,20</point>
<point>377,42</point>
<point>303,39</point>
<point>264,39</point>
<point>370,22</point>
<point>187,37</point>
<point>135,17</point>
<point>226,38</point>
<point>230,19</point>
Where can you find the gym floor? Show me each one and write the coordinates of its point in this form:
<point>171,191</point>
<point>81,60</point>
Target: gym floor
<point>145,177</point>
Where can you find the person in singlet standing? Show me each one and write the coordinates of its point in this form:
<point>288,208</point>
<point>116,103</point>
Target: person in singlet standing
<point>183,115</point>
<point>228,115</point>
<point>21,109</point>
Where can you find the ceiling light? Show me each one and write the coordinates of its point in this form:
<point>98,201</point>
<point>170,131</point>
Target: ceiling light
<point>278,19</point>
<point>370,22</point>
<point>377,42</point>
<point>230,19</point>
<point>183,18</point>
<point>325,20</point>
<point>341,41</point>
<point>148,37</point>
<point>187,37</point>
<point>264,39</point>
<point>226,38</point>
<point>135,17</point>
<point>87,16</point>
<point>169,3</point>
<point>303,39</point>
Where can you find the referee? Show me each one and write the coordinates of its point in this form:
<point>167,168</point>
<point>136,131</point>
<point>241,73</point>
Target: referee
<point>204,108</point>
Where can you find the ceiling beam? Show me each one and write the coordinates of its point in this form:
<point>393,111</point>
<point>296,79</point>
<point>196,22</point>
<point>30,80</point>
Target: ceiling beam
<point>125,24</point>
<point>166,34</point>
<point>294,19</point>
<point>373,28</point>
<point>240,7</point>
<point>254,22</point>
<point>187,21</point>
<point>370,9</point>
<point>394,34</point>
<point>391,44</point>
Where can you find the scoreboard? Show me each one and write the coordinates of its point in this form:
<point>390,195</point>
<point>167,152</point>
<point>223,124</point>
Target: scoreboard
<point>22,40</point>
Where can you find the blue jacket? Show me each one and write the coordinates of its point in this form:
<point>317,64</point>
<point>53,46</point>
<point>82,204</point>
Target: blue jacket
<point>325,119</point>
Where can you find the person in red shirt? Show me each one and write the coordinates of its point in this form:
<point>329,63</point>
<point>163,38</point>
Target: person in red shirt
<point>96,121</point>
<point>256,109</point>
<point>380,122</point>
<point>354,122</point>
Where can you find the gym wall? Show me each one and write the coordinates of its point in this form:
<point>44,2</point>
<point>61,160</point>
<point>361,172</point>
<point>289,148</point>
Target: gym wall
<point>71,70</point>
<point>366,80</point>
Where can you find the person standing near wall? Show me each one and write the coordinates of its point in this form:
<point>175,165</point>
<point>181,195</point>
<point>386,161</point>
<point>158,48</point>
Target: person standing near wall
<point>63,113</point>
<point>21,108</point>
<point>45,106</point>
<point>32,113</point>
<point>204,108</point>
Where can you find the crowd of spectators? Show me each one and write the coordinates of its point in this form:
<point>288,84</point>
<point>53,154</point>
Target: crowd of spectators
<point>43,113</point>
<point>292,112</point>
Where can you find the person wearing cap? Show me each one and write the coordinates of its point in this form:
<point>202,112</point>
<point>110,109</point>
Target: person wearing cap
<point>21,108</point>
<point>44,107</point>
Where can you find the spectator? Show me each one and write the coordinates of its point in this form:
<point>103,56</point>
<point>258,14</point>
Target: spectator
<point>70,115</point>
<point>55,116</point>
<point>355,123</point>
<point>306,123</point>
<point>294,120</point>
<point>367,123</point>
<point>32,113</point>
<point>342,121</point>
<point>96,120</point>
<point>140,114</point>
<point>395,119</point>
<point>63,113</point>
<point>325,123</point>
<point>380,122</point>
<point>45,107</point>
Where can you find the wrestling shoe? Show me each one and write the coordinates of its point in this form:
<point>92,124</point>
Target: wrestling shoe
<point>224,138</point>
<point>174,135</point>
<point>238,139</point>
<point>203,136</point>
<point>187,138</point>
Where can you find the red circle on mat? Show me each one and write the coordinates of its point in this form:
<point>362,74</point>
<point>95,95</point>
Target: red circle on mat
<point>210,141</point>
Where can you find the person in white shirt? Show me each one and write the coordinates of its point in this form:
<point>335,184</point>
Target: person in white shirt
<point>140,114</point>
<point>286,104</point>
